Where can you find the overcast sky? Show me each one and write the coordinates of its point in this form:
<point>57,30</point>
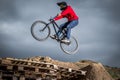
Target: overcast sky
<point>98,32</point>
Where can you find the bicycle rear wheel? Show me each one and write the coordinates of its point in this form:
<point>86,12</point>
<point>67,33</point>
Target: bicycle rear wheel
<point>71,48</point>
<point>37,30</point>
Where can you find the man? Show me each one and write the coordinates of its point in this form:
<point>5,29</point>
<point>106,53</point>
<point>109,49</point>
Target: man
<point>66,12</point>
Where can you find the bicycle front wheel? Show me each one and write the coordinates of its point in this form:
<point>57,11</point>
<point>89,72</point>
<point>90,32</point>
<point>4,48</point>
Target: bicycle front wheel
<point>71,48</point>
<point>38,31</point>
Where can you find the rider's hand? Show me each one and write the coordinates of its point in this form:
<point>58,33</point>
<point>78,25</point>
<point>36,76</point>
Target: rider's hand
<point>51,20</point>
<point>59,14</point>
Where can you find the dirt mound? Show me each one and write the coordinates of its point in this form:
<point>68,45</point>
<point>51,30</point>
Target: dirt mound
<point>95,70</point>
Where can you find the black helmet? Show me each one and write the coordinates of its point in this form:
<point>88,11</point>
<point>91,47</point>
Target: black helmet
<point>62,5</point>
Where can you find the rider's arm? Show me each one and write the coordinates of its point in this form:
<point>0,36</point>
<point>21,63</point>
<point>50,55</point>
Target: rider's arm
<point>62,15</point>
<point>58,17</point>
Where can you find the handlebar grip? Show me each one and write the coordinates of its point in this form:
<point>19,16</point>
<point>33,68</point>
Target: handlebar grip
<point>51,20</point>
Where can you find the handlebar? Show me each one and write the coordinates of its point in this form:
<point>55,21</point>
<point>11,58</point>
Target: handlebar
<point>52,18</point>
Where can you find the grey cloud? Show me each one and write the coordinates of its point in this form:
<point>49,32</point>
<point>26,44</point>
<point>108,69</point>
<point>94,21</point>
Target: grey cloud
<point>112,9</point>
<point>8,10</point>
<point>114,59</point>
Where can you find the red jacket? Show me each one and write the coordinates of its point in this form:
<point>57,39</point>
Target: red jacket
<point>67,13</point>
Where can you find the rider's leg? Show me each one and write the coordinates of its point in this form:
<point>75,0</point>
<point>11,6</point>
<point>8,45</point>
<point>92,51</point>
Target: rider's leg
<point>71,25</point>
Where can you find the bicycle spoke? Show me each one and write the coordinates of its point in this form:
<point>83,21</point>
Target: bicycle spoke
<point>70,48</point>
<point>39,31</point>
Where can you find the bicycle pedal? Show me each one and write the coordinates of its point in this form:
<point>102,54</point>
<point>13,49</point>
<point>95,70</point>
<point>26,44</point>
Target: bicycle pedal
<point>52,37</point>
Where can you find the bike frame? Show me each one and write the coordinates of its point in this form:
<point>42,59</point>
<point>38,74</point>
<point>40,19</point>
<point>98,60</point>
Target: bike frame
<point>55,27</point>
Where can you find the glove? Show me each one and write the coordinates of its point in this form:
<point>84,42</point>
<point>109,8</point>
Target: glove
<point>51,20</point>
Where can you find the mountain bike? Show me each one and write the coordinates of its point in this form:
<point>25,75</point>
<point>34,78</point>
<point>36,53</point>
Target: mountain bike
<point>41,30</point>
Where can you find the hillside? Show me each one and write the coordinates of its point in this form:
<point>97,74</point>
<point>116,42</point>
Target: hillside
<point>114,72</point>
